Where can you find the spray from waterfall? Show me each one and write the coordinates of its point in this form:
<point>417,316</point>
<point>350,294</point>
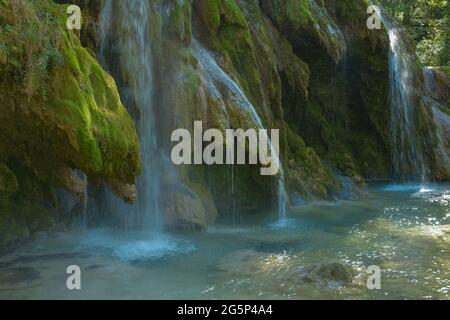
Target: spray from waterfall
<point>125,46</point>
<point>237,95</point>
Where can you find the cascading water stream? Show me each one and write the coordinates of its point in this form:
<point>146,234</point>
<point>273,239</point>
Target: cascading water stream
<point>407,152</point>
<point>125,31</point>
<point>219,76</point>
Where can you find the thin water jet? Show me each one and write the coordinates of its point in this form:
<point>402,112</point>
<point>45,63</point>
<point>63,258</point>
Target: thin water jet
<point>408,156</point>
<point>218,75</point>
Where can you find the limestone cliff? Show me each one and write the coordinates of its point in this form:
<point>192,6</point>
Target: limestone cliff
<point>60,115</point>
<point>309,68</point>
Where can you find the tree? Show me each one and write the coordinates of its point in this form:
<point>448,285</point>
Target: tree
<point>428,21</point>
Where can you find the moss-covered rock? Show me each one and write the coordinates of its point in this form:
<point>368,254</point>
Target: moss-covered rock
<point>308,24</point>
<point>310,68</point>
<point>229,33</point>
<point>345,116</point>
<point>331,272</point>
<point>60,111</point>
<point>8,181</point>
<point>285,61</point>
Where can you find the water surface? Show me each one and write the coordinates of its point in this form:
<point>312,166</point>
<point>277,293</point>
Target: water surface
<point>403,229</point>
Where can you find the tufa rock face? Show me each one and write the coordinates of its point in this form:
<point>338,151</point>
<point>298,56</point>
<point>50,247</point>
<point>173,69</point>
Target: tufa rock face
<point>437,97</point>
<point>310,68</point>
<point>60,111</point>
<point>437,84</point>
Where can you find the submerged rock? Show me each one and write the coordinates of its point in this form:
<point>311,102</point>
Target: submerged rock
<point>244,262</point>
<point>284,271</point>
<point>16,278</point>
<point>329,272</point>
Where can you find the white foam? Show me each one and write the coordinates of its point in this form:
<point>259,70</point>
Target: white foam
<point>407,188</point>
<point>134,245</point>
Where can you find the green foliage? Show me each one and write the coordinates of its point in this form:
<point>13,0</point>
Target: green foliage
<point>30,34</point>
<point>429,23</point>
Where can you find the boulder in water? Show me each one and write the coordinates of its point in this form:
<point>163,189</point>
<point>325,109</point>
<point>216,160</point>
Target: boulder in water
<point>284,271</point>
<point>331,272</point>
<point>186,210</point>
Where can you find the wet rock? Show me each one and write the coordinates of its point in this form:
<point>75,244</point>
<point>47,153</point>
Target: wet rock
<point>442,121</point>
<point>3,56</point>
<point>437,85</point>
<point>186,210</point>
<point>127,192</point>
<point>54,119</point>
<point>8,181</point>
<point>331,272</point>
<point>16,277</point>
<point>284,271</point>
<point>241,262</point>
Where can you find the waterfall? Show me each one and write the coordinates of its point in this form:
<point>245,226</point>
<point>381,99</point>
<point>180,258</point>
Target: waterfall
<point>217,75</point>
<point>407,152</point>
<point>125,46</point>
<point>126,51</point>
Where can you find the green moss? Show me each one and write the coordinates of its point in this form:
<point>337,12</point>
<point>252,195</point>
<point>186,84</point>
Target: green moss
<point>296,145</point>
<point>307,24</point>
<point>8,181</point>
<point>85,102</point>
<point>296,11</point>
<point>30,40</point>
<point>37,217</point>
<point>12,229</point>
<point>19,218</point>
<point>59,111</point>
<point>187,57</point>
<point>229,33</point>
<point>307,174</point>
<point>233,14</point>
<point>211,12</point>
<point>3,55</point>
<point>299,11</point>
<point>181,20</point>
